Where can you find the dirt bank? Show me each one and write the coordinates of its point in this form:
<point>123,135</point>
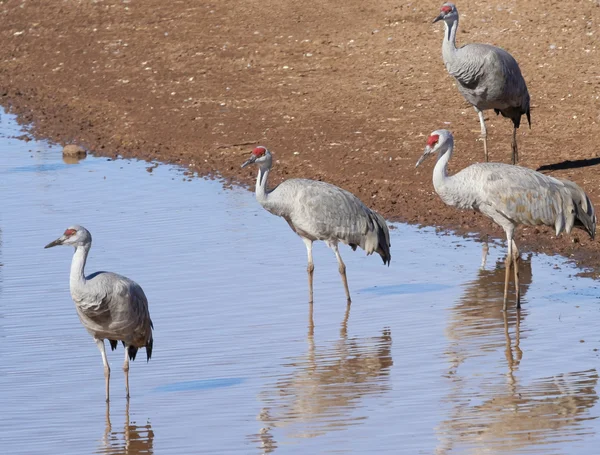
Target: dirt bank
<point>343,92</point>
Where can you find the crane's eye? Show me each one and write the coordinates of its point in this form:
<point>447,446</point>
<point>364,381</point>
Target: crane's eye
<point>70,232</point>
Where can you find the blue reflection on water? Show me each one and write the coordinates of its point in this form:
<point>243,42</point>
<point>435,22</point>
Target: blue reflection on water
<point>406,288</point>
<point>202,384</point>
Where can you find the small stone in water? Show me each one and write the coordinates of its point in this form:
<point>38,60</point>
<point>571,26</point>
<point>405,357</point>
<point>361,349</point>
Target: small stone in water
<point>73,150</point>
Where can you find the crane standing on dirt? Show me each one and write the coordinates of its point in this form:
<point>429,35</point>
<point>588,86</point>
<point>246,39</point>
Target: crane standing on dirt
<point>488,77</point>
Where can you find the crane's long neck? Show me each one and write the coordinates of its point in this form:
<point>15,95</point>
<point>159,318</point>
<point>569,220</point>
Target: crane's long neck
<point>77,277</point>
<point>449,43</point>
<point>441,180</point>
<point>261,184</point>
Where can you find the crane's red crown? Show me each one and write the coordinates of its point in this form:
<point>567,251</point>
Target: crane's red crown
<point>259,151</point>
<point>433,139</point>
<point>70,232</point>
<point>446,9</point>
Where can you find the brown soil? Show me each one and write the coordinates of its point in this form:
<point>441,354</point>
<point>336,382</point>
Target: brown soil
<point>345,92</point>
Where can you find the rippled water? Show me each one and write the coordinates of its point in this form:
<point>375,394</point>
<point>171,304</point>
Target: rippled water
<point>423,362</point>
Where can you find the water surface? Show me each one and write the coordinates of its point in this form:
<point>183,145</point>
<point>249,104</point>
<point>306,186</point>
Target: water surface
<point>423,362</point>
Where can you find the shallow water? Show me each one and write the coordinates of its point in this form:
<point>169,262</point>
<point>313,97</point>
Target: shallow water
<point>423,362</point>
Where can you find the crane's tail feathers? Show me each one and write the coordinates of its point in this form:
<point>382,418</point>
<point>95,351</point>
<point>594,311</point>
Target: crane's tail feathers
<point>373,237</point>
<point>113,344</point>
<point>383,238</point>
<point>132,352</point>
<point>515,113</point>
<point>149,346</point>
<point>583,212</point>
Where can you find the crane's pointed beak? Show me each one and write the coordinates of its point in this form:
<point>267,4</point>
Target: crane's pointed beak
<point>58,241</point>
<point>424,156</point>
<point>250,161</point>
<point>439,18</point>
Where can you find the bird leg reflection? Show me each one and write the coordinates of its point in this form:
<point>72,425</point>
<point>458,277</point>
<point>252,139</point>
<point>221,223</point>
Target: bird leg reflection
<point>311,321</point>
<point>108,427</point>
<point>484,252</point>
<point>132,439</point>
<point>344,327</point>
<point>510,358</point>
<point>127,427</point>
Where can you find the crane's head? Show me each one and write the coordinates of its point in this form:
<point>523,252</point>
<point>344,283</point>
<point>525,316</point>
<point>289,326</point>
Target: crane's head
<point>259,155</point>
<point>74,235</point>
<point>448,13</point>
<point>438,142</point>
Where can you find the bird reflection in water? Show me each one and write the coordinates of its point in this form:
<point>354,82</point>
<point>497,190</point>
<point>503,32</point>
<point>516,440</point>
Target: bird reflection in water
<point>324,387</point>
<point>479,325</point>
<point>131,440</point>
<point>495,410</point>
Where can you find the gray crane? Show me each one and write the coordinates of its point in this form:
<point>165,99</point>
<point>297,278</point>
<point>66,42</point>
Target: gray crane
<point>487,76</point>
<point>109,306</point>
<point>509,195</point>
<point>321,211</point>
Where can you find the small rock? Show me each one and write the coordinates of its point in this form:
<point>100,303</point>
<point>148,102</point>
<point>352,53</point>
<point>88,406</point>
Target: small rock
<point>73,150</point>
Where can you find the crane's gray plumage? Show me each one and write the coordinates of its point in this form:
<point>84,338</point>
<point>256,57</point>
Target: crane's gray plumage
<point>321,211</point>
<point>110,306</point>
<point>487,76</point>
<point>510,195</point>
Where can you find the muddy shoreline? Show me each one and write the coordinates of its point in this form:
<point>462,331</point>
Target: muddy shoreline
<point>347,95</point>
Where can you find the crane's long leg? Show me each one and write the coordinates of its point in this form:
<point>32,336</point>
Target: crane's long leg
<point>342,269</point>
<point>310,269</point>
<point>515,260</point>
<point>515,149</point>
<point>126,371</point>
<point>100,344</point>
<point>508,262</point>
<point>483,132</point>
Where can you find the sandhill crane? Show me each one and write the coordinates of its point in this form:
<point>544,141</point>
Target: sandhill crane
<point>487,76</point>
<point>109,306</point>
<point>509,195</point>
<point>321,211</point>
